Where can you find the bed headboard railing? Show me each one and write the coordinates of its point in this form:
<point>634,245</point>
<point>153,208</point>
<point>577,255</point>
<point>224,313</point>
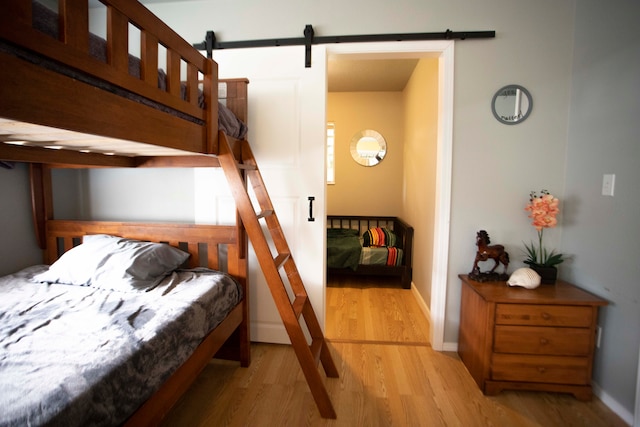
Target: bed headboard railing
<point>212,246</point>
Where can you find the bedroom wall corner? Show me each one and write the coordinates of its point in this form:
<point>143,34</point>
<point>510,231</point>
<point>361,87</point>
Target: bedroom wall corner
<point>19,248</point>
<point>420,103</point>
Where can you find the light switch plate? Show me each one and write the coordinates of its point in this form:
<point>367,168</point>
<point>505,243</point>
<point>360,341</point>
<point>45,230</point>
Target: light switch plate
<point>608,183</point>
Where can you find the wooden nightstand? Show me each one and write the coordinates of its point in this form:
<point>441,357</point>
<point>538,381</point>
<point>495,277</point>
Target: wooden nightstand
<point>528,339</point>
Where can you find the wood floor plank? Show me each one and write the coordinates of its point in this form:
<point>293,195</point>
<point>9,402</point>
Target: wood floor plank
<point>373,309</point>
<point>389,376</point>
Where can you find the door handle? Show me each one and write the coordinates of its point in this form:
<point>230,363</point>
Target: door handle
<point>311,218</point>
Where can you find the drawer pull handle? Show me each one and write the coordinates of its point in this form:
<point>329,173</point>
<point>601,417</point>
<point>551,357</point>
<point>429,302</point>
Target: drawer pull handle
<point>544,341</point>
<point>546,316</point>
<point>542,369</point>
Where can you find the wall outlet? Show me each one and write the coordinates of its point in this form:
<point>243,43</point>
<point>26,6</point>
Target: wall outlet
<point>598,336</point>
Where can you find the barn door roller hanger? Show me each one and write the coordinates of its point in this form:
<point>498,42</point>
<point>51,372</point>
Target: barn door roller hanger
<point>210,43</point>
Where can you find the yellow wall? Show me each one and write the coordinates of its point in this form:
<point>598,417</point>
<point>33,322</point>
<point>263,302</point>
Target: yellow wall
<point>420,101</point>
<point>361,190</point>
<point>404,183</point>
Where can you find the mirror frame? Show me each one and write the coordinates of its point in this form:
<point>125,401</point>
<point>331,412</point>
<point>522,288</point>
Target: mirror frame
<point>500,92</point>
<point>369,134</point>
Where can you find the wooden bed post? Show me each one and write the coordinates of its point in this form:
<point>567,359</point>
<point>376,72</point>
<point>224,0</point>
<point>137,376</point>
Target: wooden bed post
<point>41,200</point>
<point>238,268</point>
<point>211,100</point>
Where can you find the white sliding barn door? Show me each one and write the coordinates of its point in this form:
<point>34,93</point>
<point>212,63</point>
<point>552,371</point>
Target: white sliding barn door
<point>287,109</point>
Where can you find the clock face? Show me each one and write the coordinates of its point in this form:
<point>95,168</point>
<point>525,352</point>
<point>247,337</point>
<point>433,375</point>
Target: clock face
<point>512,104</point>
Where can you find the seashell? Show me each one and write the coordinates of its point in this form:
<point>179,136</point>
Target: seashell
<point>525,277</point>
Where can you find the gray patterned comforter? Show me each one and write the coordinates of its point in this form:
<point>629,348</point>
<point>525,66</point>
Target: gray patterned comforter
<point>79,356</point>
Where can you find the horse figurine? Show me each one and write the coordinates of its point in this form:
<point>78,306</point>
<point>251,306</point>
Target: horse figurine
<point>485,252</point>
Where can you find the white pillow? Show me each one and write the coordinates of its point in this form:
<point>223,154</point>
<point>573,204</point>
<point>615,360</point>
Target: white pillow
<point>114,263</point>
<point>77,265</point>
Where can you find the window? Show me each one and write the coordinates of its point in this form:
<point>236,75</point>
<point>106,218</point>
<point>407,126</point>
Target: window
<point>331,150</point>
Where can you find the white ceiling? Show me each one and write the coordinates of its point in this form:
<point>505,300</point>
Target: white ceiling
<point>369,75</point>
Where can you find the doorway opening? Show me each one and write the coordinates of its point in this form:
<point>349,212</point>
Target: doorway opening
<point>432,296</point>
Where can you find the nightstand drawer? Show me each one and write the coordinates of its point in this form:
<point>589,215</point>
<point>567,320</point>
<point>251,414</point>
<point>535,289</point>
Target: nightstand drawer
<point>544,315</point>
<point>542,340</point>
<point>540,369</point>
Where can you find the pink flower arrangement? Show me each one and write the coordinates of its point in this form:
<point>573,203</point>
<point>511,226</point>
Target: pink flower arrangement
<point>543,210</point>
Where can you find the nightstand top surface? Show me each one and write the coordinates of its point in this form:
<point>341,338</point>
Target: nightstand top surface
<point>560,293</point>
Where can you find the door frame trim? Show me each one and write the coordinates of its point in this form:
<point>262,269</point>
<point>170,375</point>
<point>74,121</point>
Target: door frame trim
<point>444,51</point>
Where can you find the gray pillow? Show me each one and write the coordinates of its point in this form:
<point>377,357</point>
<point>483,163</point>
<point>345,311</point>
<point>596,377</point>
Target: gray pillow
<point>114,263</point>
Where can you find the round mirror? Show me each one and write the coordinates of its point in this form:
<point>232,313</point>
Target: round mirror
<point>368,147</point>
<point>512,104</point>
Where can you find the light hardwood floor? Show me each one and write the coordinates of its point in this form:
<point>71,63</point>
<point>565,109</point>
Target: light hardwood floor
<point>389,376</point>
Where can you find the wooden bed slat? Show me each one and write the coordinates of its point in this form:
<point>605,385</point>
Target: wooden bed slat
<point>173,73</point>
<point>117,40</point>
<point>192,84</point>
<point>210,85</point>
<point>194,259</point>
<point>74,23</point>
<point>212,255</point>
<point>149,58</point>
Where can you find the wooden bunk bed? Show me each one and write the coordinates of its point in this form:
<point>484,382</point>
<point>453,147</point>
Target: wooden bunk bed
<point>350,263</point>
<point>63,106</point>
<point>42,105</point>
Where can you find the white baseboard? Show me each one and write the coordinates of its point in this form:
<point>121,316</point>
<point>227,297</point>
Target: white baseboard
<point>421,303</point>
<point>612,404</point>
<point>450,346</point>
<point>447,346</point>
<point>269,333</point>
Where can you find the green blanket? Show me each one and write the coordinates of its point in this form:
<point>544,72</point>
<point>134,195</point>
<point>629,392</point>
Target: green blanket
<point>343,248</point>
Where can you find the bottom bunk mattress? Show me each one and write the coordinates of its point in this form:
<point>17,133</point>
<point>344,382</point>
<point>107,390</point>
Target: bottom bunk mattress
<point>79,355</point>
<point>346,249</point>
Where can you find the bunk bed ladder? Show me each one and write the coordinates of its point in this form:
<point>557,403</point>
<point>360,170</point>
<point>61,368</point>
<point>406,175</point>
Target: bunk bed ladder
<point>290,296</point>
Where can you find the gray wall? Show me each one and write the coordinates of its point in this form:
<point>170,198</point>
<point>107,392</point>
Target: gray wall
<point>19,246</point>
<point>602,232</point>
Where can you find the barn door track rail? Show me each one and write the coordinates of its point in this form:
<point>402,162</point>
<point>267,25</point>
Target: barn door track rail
<point>210,43</point>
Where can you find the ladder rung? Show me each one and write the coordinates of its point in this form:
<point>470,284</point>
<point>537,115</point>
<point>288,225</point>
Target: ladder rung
<point>281,259</point>
<point>265,213</point>
<point>316,349</point>
<point>247,166</point>
<point>298,304</point>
